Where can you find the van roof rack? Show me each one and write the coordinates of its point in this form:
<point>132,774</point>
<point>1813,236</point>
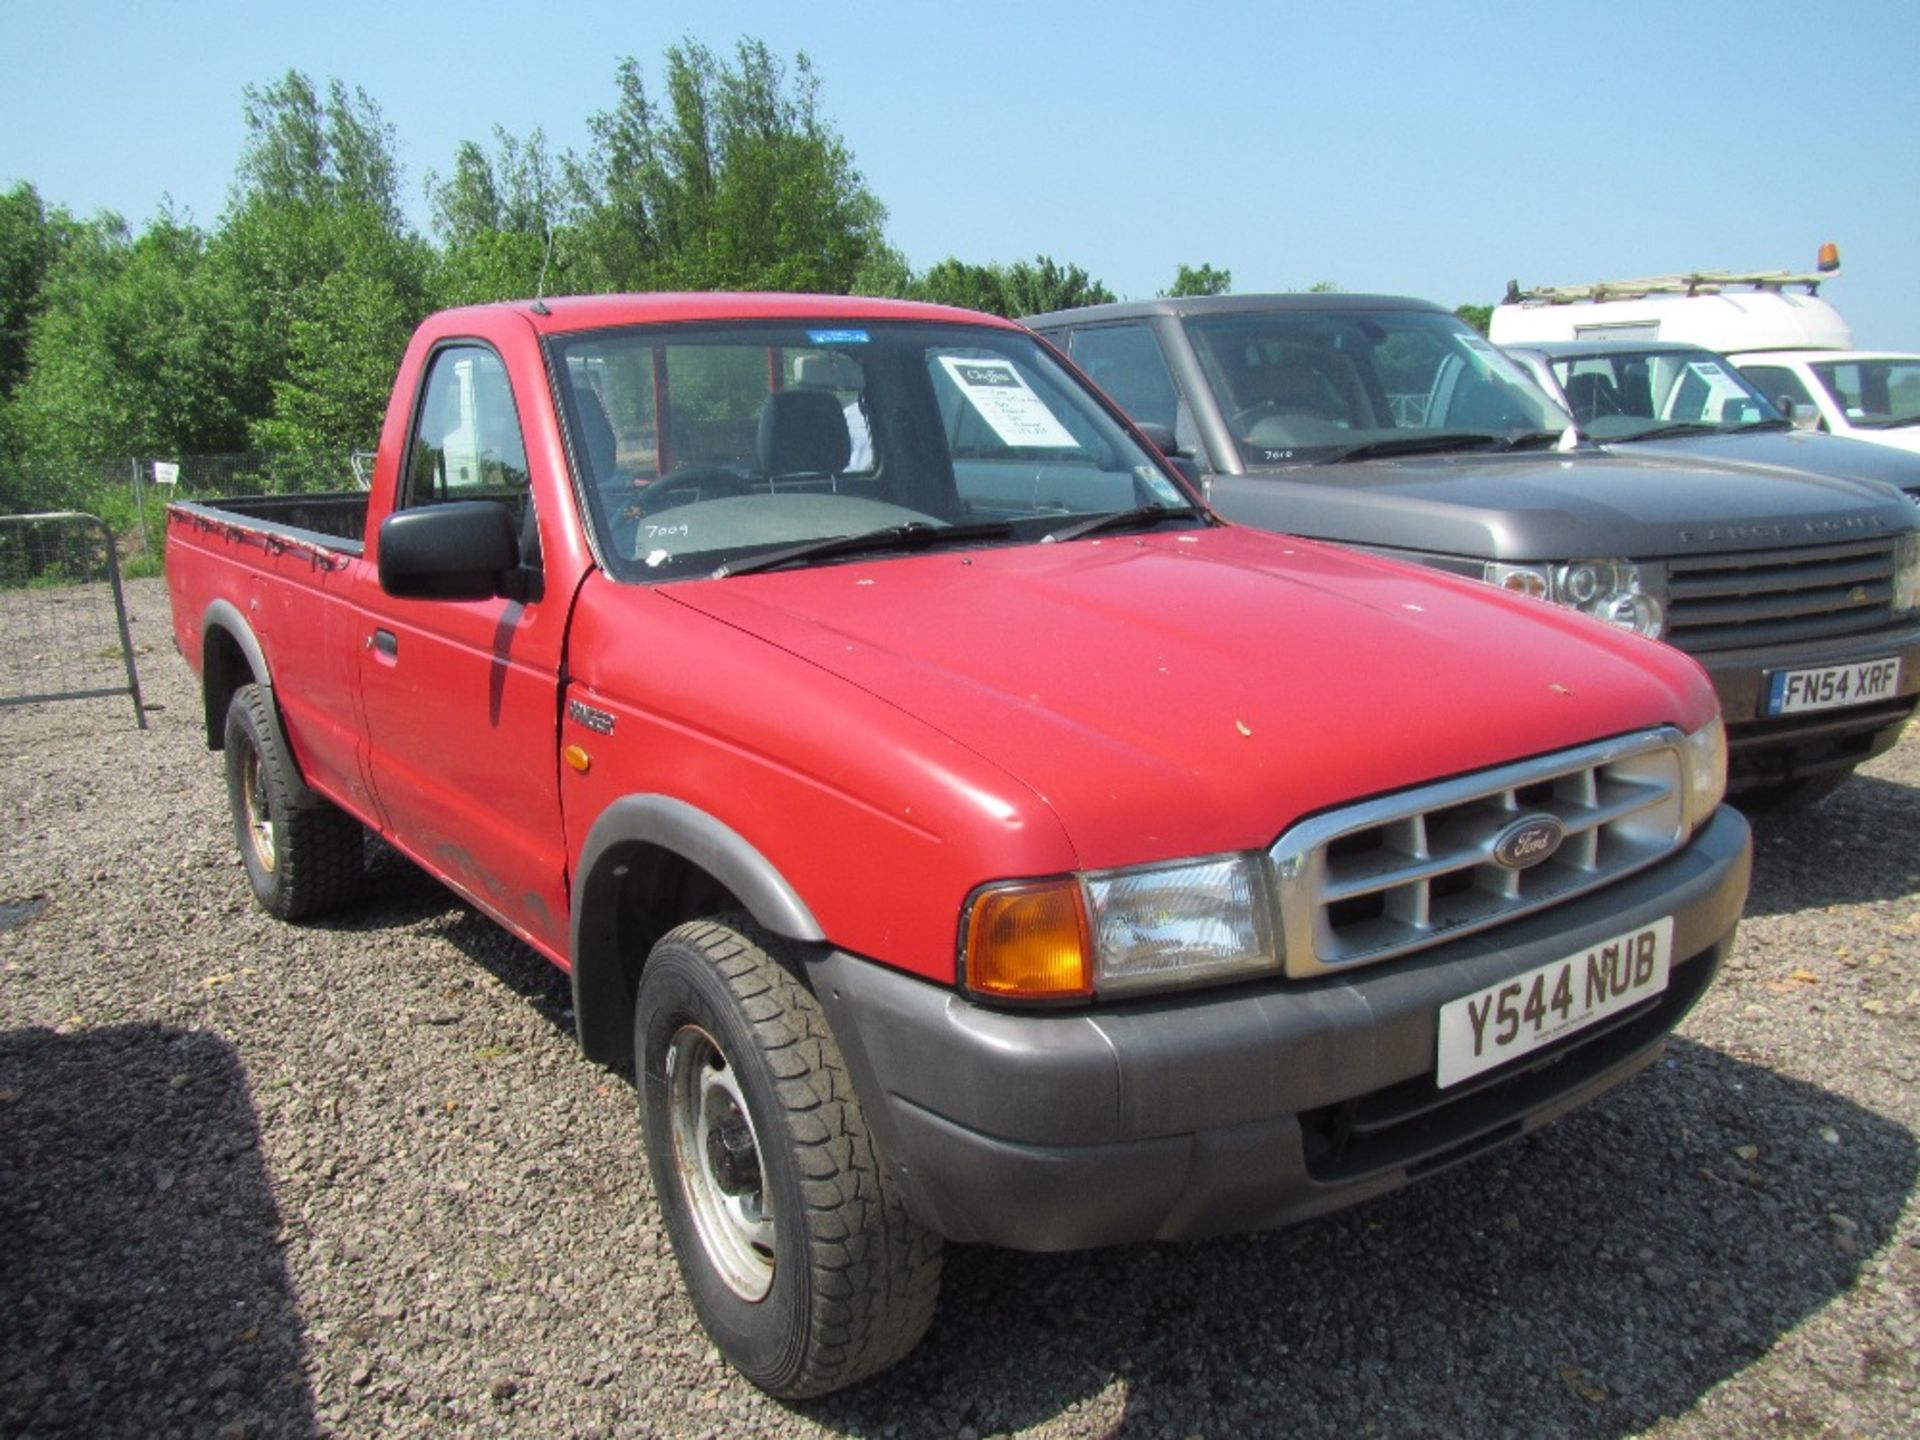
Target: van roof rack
<point>1699,282</point>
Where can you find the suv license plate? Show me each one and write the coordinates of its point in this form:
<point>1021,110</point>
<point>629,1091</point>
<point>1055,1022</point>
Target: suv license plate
<point>1791,691</point>
<point>1518,1016</point>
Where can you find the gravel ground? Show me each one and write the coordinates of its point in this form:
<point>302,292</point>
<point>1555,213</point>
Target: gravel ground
<point>354,1178</point>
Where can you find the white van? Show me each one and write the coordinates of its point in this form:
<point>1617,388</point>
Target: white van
<point>1720,310</point>
<point>1771,324</point>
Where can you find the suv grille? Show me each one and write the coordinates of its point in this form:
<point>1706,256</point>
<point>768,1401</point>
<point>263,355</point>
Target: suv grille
<point>1410,870</point>
<point>1725,602</point>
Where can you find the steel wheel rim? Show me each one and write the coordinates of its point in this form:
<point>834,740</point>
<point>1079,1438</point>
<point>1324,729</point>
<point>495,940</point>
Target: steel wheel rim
<point>713,1138</point>
<point>253,793</point>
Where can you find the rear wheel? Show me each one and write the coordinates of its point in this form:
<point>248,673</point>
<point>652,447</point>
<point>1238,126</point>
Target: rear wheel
<point>300,860</point>
<point>796,1248</point>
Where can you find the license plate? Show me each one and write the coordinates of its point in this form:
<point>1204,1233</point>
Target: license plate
<point>1518,1016</point>
<point>1791,691</point>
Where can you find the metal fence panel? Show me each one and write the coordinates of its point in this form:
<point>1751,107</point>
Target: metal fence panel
<point>63,615</point>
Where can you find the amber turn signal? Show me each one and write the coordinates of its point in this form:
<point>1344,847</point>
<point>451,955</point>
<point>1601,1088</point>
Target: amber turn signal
<point>577,758</point>
<point>1029,942</point>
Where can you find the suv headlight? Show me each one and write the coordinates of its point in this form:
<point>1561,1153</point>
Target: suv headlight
<point>1120,932</point>
<point>1705,755</point>
<point>1610,590</point>
<point>1906,572</point>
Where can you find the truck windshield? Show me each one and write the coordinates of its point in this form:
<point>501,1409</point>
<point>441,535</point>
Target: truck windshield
<point>700,449</point>
<point>1626,394</point>
<point>1307,386</point>
<point>1881,394</point>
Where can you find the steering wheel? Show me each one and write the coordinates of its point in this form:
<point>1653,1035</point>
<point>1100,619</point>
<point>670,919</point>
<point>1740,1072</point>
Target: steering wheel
<point>686,485</point>
<point>1241,421</point>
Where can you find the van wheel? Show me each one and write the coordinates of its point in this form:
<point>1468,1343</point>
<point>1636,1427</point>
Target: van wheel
<point>795,1246</point>
<point>300,861</point>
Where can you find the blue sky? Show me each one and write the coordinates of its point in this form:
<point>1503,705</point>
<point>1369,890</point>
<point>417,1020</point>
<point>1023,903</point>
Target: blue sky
<point>1425,149</point>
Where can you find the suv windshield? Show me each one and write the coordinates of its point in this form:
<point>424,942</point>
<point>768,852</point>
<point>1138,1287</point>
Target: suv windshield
<point>1304,386</point>
<point>1633,394</point>
<point>1875,394</point>
<point>701,449</point>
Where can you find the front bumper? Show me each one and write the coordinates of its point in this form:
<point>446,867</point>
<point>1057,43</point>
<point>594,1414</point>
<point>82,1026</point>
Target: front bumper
<point>1251,1106</point>
<point>1771,750</point>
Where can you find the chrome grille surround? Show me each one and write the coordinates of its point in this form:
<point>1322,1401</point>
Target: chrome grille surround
<point>1405,871</point>
<point>1774,597</point>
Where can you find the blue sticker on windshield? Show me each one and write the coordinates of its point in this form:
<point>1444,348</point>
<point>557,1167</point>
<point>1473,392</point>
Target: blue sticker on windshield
<point>837,337</point>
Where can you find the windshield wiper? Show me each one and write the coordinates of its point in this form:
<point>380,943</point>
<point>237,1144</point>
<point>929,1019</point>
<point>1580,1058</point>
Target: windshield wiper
<point>1892,422</point>
<point>1668,432</point>
<point>1119,520</point>
<point>1418,445</point>
<point>1532,440</point>
<point>913,535</point>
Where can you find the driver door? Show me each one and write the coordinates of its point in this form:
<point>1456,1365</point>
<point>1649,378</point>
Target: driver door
<point>461,696</point>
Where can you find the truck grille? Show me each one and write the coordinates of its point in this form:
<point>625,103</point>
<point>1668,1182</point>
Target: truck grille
<point>1727,602</point>
<point>1405,871</point>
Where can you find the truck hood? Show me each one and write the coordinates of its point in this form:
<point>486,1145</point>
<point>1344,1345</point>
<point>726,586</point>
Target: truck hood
<point>1795,451</point>
<point>1195,692</point>
<point>1530,506</point>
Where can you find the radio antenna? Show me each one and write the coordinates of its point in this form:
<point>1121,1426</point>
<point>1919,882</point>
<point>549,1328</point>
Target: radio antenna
<point>540,286</point>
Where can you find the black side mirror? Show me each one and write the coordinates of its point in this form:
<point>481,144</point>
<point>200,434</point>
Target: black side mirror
<point>1162,438</point>
<point>1160,435</point>
<point>462,550</point>
<point>1801,417</point>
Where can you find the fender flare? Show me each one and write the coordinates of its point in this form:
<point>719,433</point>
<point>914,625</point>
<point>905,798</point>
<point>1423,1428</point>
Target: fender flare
<point>604,977</point>
<point>225,617</point>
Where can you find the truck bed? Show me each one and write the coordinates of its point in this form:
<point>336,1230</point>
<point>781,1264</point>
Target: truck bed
<point>332,520</point>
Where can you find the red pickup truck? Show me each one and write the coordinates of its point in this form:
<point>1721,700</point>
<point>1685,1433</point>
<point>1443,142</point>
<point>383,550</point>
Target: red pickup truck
<point>959,831</point>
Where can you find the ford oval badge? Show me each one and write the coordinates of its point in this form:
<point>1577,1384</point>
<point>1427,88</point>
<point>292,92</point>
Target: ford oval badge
<point>1528,841</point>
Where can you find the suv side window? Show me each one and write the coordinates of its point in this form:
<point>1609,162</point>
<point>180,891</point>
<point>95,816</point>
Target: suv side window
<point>1774,381</point>
<point>1125,361</point>
<point>466,441</point>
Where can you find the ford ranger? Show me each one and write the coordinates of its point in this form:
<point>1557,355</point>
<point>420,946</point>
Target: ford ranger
<point>958,831</point>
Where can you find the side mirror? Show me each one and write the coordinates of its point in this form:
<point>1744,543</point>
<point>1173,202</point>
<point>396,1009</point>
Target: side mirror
<point>463,550</point>
<point>1801,417</point>
<point>1162,438</point>
<point>1160,435</point>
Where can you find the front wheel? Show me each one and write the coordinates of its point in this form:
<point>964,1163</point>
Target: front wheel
<point>301,860</point>
<point>795,1246</point>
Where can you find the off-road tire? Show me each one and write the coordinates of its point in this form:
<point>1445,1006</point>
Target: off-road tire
<point>301,860</point>
<point>854,1278</point>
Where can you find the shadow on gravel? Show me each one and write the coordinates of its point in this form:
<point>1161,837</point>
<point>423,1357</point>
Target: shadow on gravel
<point>1861,844</point>
<point>132,1194</point>
<point>398,895</point>
<point>1585,1282</point>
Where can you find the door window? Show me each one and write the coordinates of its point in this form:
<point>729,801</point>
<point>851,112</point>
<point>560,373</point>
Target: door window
<point>466,434</point>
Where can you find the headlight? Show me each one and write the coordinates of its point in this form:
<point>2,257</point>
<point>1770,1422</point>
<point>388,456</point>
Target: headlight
<point>1906,572</point>
<point>1610,590</point>
<point>1120,932</point>
<point>1705,754</point>
<point>1179,925</point>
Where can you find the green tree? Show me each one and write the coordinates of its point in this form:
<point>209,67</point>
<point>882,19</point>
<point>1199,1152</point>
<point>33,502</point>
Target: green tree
<point>1201,280</point>
<point>739,183</point>
<point>516,190</point>
<point>1022,288</point>
<point>31,240</point>
<point>1478,316</point>
<point>313,272</point>
<point>122,358</point>
<point>339,152</point>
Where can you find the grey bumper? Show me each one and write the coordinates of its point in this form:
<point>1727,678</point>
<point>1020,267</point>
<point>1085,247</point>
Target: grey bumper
<point>1770,749</point>
<point>1247,1107</point>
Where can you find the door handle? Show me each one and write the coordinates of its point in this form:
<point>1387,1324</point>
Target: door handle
<point>386,643</point>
